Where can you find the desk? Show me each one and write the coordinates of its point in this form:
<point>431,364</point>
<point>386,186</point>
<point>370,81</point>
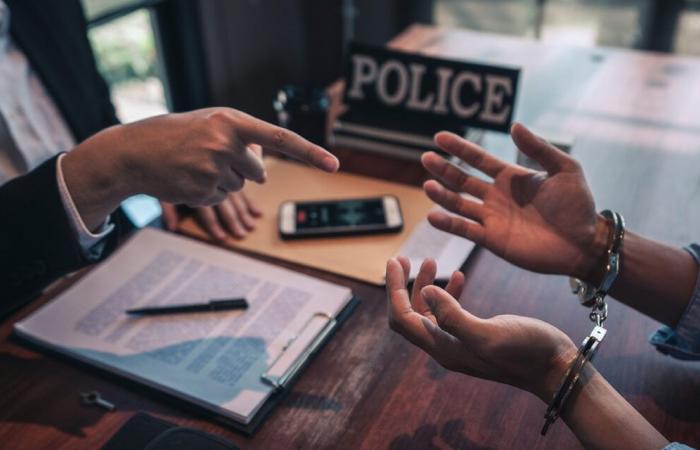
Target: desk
<point>635,117</point>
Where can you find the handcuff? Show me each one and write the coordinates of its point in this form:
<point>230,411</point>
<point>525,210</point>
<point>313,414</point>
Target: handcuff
<point>593,297</point>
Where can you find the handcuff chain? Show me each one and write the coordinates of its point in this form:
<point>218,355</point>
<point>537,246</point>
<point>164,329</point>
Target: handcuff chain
<point>599,311</point>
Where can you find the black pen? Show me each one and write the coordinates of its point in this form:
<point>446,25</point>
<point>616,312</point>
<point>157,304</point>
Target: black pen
<point>212,305</point>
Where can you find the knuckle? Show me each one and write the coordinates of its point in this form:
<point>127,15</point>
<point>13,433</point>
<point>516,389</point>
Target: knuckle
<point>444,170</point>
<point>478,158</point>
<point>461,227</point>
<point>280,136</point>
<point>220,125</point>
<point>462,179</point>
<point>464,209</point>
<point>218,115</point>
<point>454,201</point>
<point>219,141</point>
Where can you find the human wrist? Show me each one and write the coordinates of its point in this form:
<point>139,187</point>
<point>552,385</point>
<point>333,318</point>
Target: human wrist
<point>594,405</point>
<point>96,179</point>
<point>98,174</point>
<point>548,383</point>
<point>120,161</point>
<point>589,380</point>
<point>591,268</point>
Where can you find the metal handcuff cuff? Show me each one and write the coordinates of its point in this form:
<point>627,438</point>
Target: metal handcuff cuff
<point>593,297</point>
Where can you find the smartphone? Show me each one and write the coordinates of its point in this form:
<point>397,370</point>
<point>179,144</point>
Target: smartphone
<point>340,217</point>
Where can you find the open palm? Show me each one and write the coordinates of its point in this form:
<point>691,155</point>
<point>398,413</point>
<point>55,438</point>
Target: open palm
<point>541,221</point>
<point>520,351</point>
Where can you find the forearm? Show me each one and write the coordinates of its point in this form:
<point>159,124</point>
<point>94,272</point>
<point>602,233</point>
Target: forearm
<point>602,419</point>
<point>656,279</point>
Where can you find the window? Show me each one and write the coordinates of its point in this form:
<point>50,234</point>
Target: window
<point>127,57</point>
<point>582,22</point>
<point>670,25</point>
<point>687,39</point>
<point>498,16</point>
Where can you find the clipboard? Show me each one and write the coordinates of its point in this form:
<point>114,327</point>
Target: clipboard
<point>263,413</point>
<point>186,367</point>
<point>359,257</point>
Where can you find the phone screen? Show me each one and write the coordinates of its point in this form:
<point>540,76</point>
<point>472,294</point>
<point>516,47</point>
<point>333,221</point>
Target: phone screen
<point>346,213</point>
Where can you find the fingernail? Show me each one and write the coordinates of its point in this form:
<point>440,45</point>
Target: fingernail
<point>331,163</point>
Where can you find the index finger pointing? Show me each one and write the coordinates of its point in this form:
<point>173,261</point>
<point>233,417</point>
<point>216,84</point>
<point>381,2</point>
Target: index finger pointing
<point>253,130</point>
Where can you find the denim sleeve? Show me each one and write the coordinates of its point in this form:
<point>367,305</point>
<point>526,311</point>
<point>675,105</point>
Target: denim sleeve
<point>677,446</point>
<point>683,342</point>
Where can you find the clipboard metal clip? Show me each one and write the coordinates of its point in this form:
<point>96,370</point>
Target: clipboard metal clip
<point>281,381</point>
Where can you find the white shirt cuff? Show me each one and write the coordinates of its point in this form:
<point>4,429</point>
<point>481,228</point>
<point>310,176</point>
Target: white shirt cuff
<point>87,239</point>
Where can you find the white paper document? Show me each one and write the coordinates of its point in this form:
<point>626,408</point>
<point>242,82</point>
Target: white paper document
<point>214,359</point>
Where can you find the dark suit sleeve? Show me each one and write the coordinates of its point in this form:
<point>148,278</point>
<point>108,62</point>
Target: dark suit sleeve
<point>37,243</point>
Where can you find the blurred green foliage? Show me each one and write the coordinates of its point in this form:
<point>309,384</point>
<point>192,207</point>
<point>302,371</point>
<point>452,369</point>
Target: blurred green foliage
<point>125,48</point>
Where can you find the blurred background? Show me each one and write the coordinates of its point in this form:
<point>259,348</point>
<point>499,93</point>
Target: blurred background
<point>173,55</point>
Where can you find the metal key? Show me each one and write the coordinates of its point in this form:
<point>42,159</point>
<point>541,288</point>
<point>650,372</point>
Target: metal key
<point>94,398</point>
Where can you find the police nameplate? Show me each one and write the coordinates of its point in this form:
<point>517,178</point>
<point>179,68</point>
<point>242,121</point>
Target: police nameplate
<point>418,88</point>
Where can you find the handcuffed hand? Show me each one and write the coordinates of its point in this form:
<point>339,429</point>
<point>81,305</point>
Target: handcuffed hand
<point>520,351</point>
<point>541,221</point>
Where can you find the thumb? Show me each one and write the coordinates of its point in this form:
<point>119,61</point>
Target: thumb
<point>450,315</point>
<point>548,156</point>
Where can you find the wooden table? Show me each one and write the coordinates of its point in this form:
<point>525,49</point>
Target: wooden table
<point>636,121</point>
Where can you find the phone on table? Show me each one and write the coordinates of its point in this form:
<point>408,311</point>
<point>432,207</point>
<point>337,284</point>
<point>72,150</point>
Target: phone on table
<point>349,217</point>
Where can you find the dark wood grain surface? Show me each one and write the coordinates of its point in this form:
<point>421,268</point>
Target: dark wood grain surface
<point>637,128</point>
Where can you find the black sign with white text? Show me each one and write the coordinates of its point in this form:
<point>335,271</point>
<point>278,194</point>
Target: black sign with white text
<point>418,88</point>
